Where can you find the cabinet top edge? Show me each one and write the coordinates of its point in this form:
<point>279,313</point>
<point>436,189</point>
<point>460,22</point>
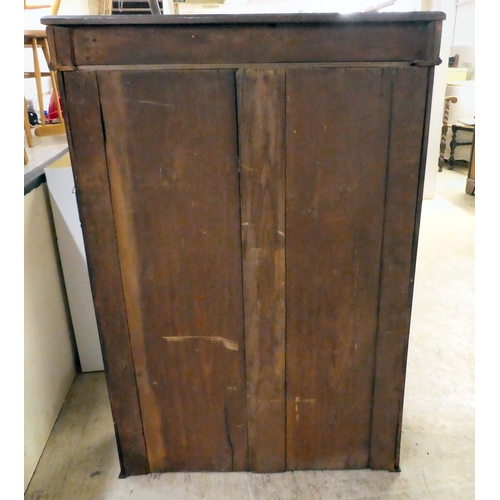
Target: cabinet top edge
<point>219,19</point>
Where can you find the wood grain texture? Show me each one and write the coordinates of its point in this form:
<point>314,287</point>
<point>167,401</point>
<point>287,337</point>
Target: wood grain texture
<point>435,32</point>
<point>172,156</point>
<point>253,317</point>
<point>283,18</point>
<point>336,159</point>
<point>80,99</point>
<point>402,209</point>
<point>259,43</point>
<point>261,127</point>
<point>61,47</point>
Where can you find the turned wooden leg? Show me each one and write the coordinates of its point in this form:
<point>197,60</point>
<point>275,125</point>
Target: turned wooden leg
<point>453,145</point>
<point>442,148</point>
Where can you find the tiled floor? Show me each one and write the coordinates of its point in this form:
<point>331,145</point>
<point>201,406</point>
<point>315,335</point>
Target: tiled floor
<point>437,454</point>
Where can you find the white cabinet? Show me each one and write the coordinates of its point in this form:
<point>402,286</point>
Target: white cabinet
<point>74,265</point>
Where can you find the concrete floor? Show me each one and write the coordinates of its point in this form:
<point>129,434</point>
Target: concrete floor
<point>437,453</point>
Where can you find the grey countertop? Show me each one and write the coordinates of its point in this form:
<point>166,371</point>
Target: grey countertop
<point>46,150</point>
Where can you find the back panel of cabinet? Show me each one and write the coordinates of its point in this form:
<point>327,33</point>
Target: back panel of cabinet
<point>265,237</point>
<point>249,189</point>
<point>354,138</point>
<point>172,163</point>
<point>336,167</point>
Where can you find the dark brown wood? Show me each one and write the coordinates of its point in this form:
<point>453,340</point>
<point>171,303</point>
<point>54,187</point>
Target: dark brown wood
<point>224,19</point>
<point>80,98</point>
<point>261,125</point>
<point>470,185</point>
<point>456,127</point>
<point>250,190</point>
<point>174,181</point>
<point>251,44</point>
<point>402,206</point>
<point>258,39</point>
<point>434,34</point>
<point>61,47</point>
<point>338,132</point>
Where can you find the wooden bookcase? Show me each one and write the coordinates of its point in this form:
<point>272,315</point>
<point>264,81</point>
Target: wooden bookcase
<point>249,189</point>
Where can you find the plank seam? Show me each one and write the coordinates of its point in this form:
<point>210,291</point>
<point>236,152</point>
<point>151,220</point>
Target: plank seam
<point>120,267</point>
<point>382,246</point>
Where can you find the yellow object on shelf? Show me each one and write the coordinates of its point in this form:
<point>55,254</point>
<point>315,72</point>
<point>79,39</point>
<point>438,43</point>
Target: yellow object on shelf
<point>456,74</point>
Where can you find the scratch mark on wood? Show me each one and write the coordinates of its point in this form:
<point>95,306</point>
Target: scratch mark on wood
<point>228,344</point>
<point>246,167</point>
<point>156,103</point>
<point>356,280</point>
<point>299,400</point>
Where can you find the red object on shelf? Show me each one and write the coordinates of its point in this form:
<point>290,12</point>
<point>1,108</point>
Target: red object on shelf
<point>53,115</point>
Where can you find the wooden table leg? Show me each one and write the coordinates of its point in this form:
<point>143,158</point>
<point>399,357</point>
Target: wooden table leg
<point>470,186</point>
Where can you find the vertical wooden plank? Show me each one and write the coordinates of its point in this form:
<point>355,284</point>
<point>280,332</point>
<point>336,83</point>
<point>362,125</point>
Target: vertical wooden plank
<point>60,42</point>
<point>80,98</point>
<point>261,127</point>
<point>171,141</point>
<point>336,159</point>
<point>470,185</point>
<point>434,37</point>
<point>409,124</point>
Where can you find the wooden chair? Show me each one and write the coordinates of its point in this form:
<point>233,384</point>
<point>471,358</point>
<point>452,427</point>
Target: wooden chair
<point>35,39</point>
<point>470,186</point>
<point>463,125</point>
<point>444,130</point>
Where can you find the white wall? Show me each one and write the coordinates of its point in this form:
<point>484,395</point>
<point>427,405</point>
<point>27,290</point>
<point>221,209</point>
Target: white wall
<point>439,90</point>
<point>458,28</point>
<point>464,39</point>
<point>49,366</point>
